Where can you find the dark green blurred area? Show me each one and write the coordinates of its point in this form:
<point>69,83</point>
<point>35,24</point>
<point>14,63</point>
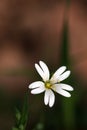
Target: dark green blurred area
<point>66,114</point>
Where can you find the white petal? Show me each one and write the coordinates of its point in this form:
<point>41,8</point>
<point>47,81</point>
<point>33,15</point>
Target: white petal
<point>56,75</point>
<point>66,87</point>
<point>37,90</point>
<point>45,70</point>
<point>52,99</point>
<point>60,71</point>
<point>36,84</point>
<point>64,93</point>
<point>46,97</point>
<point>64,75</point>
<point>40,71</point>
<point>49,97</point>
<point>57,88</point>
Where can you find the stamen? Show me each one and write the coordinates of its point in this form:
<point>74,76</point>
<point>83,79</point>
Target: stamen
<point>48,85</point>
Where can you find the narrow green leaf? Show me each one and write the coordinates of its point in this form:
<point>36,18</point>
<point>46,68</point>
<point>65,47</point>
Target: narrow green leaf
<point>18,115</point>
<point>22,116</point>
<point>14,128</point>
<point>25,113</point>
<point>21,127</point>
<point>68,105</point>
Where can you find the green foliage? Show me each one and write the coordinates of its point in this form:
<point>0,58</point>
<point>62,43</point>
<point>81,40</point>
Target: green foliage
<point>15,128</point>
<point>39,126</point>
<point>21,117</point>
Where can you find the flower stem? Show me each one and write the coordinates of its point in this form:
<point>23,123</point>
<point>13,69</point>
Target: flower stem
<point>68,105</point>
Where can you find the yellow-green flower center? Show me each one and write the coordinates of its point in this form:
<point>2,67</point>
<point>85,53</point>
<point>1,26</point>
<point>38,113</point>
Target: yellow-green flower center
<point>48,85</point>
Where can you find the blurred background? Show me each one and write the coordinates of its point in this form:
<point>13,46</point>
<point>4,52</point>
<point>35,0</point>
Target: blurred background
<point>33,30</point>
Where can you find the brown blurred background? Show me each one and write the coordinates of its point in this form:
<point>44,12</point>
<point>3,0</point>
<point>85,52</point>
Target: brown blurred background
<point>31,31</point>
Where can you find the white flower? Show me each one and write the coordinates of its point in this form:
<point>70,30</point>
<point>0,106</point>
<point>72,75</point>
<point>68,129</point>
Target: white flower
<point>48,84</point>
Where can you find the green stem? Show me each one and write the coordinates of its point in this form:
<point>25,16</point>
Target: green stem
<point>68,105</point>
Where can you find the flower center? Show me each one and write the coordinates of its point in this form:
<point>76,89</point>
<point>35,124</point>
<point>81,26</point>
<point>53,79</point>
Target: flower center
<point>48,85</point>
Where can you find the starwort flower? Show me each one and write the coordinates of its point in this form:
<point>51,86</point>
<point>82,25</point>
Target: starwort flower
<point>48,85</point>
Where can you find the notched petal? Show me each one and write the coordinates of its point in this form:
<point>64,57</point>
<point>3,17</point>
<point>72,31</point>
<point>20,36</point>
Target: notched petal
<point>64,93</point>
<point>45,70</point>
<point>51,99</point>
<point>39,70</point>
<point>46,97</point>
<point>36,84</point>
<point>64,76</point>
<point>37,90</point>
<point>66,87</point>
<point>57,74</point>
<point>59,89</point>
